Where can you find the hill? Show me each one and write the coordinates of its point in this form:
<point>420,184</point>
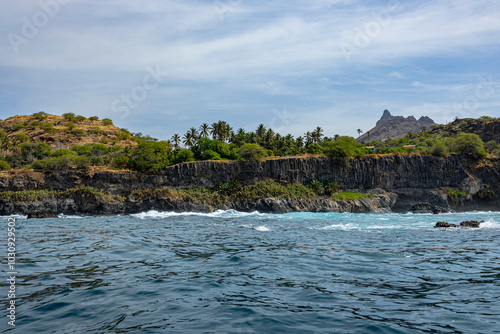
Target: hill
<point>487,128</point>
<point>64,132</point>
<point>395,127</point>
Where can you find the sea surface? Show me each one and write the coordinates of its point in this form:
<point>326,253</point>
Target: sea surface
<point>231,272</point>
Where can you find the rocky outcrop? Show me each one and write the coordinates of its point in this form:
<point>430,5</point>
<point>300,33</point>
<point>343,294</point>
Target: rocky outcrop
<point>389,126</point>
<point>50,207</point>
<point>409,179</point>
<point>464,224</point>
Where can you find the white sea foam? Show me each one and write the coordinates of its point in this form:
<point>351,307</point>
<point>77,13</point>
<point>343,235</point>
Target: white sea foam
<point>490,224</point>
<point>153,214</point>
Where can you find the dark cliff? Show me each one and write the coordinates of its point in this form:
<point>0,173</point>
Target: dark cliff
<point>410,179</point>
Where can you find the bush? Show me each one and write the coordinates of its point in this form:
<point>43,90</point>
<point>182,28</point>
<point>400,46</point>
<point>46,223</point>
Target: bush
<point>122,136</point>
<point>348,195</point>
<point>49,128</point>
<point>343,148</point>
<point>79,118</point>
<point>438,149</point>
<point>18,126</point>
<point>210,155</point>
<point>469,145</point>
<point>69,116</point>
<point>71,125</point>
<point>94,118</point>
<point>252,152</point>
<point>107,122</point>
<point>121,162</point>
<point>96,130</point>
<point>21,138</point>
<point>78,132</point>
<point>4,165</point>
<point>150,156</point>
<point>314,148</point>
<point>82,162</point>
<point>457,194</point>
<point>41,116</point>
<point>183,156</point>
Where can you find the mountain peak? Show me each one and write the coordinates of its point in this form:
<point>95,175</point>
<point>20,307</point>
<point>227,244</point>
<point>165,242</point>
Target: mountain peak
<point>386,116</point>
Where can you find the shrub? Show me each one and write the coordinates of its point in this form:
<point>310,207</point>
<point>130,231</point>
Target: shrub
<point>49,128</point>
<point>210,155</point>
<point>79,118</point>
<point>71,125</point>
<point>349,195</point>
<point>457,194</point>
<point>343,148</point>
<point>438,149</point>
<point>107,122</point>
<point>183,156</point>
<point>96,130</point>
<point>93,118</point>
<point>252,152</point>
<point>469,145</point>
<point>122,136</point>
<point>4,165</point>
<point>41,116</point>
<point>82,162</point>
<point>150,156</point>
<point>21,138</point>
<point>69,116</point>
<point>121,162</point>
<point>18,126</point>
<point>314,148</point>
<point>78,132</point>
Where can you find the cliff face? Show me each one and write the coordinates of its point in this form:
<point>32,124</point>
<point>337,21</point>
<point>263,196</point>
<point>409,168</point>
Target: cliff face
<point>412,178</point>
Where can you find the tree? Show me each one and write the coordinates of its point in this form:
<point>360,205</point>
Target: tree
<point>150,156</point>
<point>359,132</point>
<point>188,139</point>
<point>107,121</point>
<point>469,145</point>
<point>204,130</point>
<point>176,140</point>
<point>252,152</point>
<point>342,149</point>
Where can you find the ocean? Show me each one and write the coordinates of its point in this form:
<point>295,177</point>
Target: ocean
<point>231,272</point>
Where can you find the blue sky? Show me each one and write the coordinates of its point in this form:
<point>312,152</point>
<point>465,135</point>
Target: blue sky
<point>160,67</point>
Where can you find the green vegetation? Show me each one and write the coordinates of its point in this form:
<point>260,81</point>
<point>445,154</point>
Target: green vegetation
<point>457,194</point>
<point>219,141</point>
<point>352,196</point>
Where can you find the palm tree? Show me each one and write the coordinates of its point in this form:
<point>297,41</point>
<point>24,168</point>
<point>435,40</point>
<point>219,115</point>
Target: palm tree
<point>194,133</point>
<point>176,140</point>
<point>214,130</point>
<point>204,130</point>
<point>317,134</point>
<point>261,130</point>
<point>188,139</point>
<point>359,132</point>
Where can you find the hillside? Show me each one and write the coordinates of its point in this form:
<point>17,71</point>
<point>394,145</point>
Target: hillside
<point>395,127</point>
<point>487,128</point>
<point>64,132</point>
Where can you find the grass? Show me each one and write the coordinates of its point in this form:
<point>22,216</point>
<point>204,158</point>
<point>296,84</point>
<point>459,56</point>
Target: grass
<point>348,195</point>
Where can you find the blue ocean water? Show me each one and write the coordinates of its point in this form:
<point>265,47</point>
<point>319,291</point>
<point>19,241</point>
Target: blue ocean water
<point>230,272</point>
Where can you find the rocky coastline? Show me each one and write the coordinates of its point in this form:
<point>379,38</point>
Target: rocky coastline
<point>397,183</point>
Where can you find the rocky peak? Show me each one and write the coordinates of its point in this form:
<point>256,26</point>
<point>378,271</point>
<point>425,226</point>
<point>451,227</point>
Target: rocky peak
<point>386,116</point>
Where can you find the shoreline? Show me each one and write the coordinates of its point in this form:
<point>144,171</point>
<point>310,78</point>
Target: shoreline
<point>396,183</point>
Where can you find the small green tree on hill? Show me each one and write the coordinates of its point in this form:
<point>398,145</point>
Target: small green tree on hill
<point>252,152</point>
<point>469,145</point>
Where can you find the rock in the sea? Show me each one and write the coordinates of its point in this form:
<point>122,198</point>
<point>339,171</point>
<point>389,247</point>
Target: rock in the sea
<point>468,223</point>
<point>445,224</point>
<point>427,208</point>
<point>471,223</point>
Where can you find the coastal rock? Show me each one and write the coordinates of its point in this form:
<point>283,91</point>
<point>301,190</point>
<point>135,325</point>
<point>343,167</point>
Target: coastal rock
<point>427,208</point>
<point>35,215</point>
<point>467,224</point>
<point>400,183</point>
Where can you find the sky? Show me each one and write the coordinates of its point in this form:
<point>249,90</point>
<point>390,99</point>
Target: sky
<point>160,67</point>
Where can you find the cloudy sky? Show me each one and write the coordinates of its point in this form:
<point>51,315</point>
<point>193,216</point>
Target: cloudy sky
<point>160,67</point>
